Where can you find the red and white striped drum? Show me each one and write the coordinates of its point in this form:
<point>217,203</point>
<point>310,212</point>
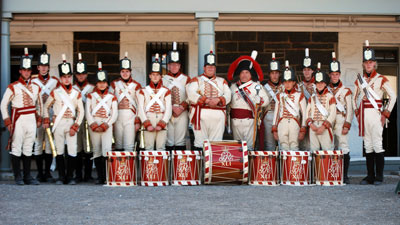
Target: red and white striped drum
<point>328,168</point>
<point>264,168</point>
<point>121,169</point>
<point>154,168</point>
<point>186,167</point>
<point>225,162</point>
<point>295,168</point>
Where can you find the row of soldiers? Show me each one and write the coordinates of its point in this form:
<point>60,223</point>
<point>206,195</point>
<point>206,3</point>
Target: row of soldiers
<point>313,114</point>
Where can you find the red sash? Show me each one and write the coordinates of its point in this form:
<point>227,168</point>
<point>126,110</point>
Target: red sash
<point>241,114</point>
<point>197,113</point>
<point>15,114</point>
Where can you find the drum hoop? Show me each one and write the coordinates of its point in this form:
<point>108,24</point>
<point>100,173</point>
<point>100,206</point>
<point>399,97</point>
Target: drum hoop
<point>119,154</point>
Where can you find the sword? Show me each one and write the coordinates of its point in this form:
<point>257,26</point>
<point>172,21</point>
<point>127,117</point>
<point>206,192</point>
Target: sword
<point>88,149</point>
<point>256,117</point>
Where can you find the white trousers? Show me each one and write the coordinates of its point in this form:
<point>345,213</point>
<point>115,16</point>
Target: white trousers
<point>242,130</point>
<point>41,139</point>
<point>177,128</point>
<point>372,131</point>
<point>61,136</point>
<point>212,124</point>
<point>322,141</point>
<point>24,135</point>
<point>269,140</point>
<point>155,138</point>
<point>288,134</point>
<point>340,140</point>
<point>124,130</point>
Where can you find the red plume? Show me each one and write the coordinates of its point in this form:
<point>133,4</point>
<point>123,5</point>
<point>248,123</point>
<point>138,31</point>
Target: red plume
<point>256,67</point>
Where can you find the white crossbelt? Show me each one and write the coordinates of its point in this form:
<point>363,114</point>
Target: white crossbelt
<point>290,106</point>
<point>27,91</point>
<point>339,105</point>
<point>270,91</point>
<point>212,84</point>
<point>320,108</point>
<point>84,92</point>
<point>67,100</point>
<point>306,93</point>
<point>125,93</point>
<point>175,82</point>
<point>102,103</point>
<point>155,98</point>
<point>371,91</point>
<point>45,88</point>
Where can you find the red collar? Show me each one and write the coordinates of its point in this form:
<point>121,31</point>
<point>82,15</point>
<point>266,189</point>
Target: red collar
<point>129,81</point>
<point>22,81</point>
<point>176,75</point>
<point>212,78</point>
<point>99,92</point>
<point>42,78</point>
<point>65,88</point>
<point>83,85</point>
<point>159,85</point>
<point>291,92</point>
<point>312,80</point>
<point>339,85</point>
<point>271,83</point>
<point>324,92</point>
<point>373,74</point>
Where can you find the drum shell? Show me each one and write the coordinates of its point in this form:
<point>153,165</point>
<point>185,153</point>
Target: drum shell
<point>186,167</point>
<point>121,169</point>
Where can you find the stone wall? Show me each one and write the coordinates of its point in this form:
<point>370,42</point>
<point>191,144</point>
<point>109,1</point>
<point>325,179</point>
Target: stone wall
<point>286,45</point>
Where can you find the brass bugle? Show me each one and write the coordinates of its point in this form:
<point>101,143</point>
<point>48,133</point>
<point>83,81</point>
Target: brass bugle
<point>51,141</point>
<point>88,149</point>
<point>141,141</point>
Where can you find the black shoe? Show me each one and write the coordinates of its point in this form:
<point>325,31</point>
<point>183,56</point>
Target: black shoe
<point>28,179</point>
<point>16,165</point>
<point>72,182</point>
<point>346,165</point>
<point>183,147</point>
<point>61,169</point>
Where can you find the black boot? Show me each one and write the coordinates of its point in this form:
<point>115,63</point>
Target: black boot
<point>16,165</point>
<point>346,165</point>
<point>79,166</point>
<point>28,179</point>
<point>380,164</point>
<point>61,169</point>
<point>370,158</point>
<point>39,165</point>
<point>48,160</point>
<point>100,168</point>
<point>71,165</point>
<point>88,167</point>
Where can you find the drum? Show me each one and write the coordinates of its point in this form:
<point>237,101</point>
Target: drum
<point>328,168</point>
<point>264,168</point>
<point>186,167</point>
<point>154,167</point>
<point>225,162</point>
<point>121,169</point>
<point>295,168</point>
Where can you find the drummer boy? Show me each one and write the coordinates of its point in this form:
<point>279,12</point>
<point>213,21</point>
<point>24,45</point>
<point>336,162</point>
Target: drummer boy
<point>321,113</point>
<point>289,124</point>
<point>101,114</point>
<point>155,109</point>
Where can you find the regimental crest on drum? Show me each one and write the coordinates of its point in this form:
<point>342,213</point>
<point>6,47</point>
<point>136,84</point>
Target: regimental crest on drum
<point>151,169</point>
<point>335,168</point>
<point>183,167</point>
<point>226,158</point>
<point>265,170</point>
<point>123,170</point>
<point>296,171</point>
